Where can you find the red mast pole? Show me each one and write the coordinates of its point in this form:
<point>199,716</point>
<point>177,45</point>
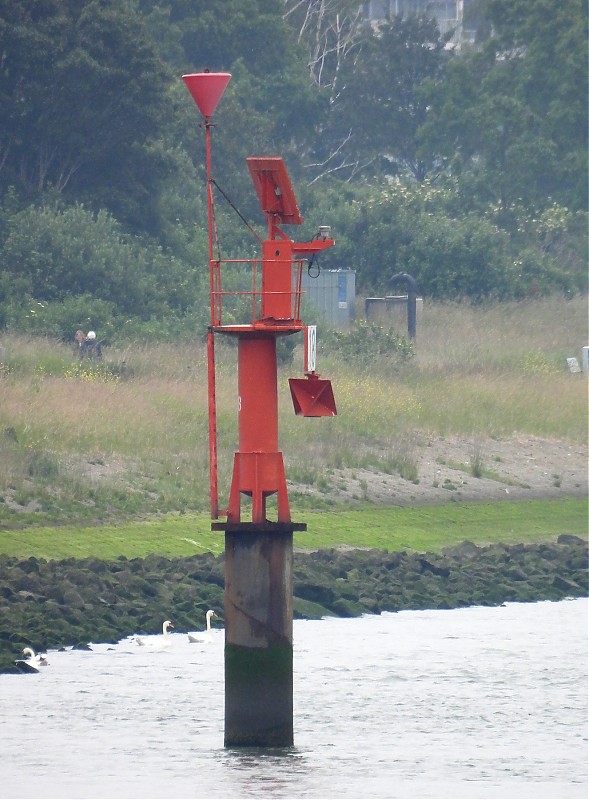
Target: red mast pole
<point>212,396</point>
<point>206,89</point>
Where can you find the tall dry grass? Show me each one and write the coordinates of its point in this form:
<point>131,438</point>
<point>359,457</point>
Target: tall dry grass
<point>131,433</point>
<point>534,335</point>
<point>495,371</point>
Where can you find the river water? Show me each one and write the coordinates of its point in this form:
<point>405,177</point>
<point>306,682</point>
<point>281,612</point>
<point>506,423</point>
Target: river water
<point>468,703</point>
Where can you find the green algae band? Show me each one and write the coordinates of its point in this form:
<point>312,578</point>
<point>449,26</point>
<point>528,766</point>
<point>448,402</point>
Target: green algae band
<point>258,696</point>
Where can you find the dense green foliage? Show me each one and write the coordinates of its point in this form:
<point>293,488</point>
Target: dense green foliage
<point>87,270</point>
<point>466,168</point>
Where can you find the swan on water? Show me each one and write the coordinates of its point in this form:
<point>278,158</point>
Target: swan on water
<point>159,641</point>
<point>204,636</point>
<point>32,662</point>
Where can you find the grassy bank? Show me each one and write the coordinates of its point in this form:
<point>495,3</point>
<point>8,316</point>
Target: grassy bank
<point>85,445</point>
<point>422,529</point>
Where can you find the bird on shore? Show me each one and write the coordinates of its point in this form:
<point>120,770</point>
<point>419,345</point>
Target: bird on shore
<point>204,636</point>
<point>160,641</point>
<point>32,661</point>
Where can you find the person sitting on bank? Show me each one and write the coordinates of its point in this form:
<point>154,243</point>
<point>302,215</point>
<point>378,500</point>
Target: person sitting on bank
<point>79,343</point>
<point>92,347</point>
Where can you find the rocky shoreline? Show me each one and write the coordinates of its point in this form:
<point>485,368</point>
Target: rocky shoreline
<point>53,604</point>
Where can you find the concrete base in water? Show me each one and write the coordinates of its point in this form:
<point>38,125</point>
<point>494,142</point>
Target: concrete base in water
<point>258,636</point>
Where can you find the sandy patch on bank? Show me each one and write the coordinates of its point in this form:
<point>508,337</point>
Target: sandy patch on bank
<point>521,468</point>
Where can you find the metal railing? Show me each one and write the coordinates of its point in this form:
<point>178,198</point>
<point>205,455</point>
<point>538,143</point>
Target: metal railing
<point>238,296</point>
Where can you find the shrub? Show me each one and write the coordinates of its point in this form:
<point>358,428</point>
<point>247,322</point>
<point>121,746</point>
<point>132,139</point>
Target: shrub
<point>66,268</point>
<point>365,340</point>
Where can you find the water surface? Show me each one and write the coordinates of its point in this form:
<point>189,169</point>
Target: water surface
<point>466,703</point>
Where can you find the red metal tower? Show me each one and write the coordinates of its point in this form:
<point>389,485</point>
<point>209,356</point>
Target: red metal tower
<point>275,295</point>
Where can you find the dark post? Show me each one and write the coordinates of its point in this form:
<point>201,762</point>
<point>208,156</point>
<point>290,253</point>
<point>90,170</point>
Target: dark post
<point>411,301</point>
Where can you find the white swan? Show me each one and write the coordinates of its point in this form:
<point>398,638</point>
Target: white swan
<point>157,642</point>
<point>204,636</point>
<point>32,662</point>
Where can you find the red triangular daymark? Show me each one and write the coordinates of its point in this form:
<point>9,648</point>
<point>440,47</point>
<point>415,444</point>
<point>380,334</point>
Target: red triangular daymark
<point>207,89</point>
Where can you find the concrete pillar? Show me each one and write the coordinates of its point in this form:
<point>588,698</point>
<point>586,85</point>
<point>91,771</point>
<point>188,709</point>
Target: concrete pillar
<point>258,635</point>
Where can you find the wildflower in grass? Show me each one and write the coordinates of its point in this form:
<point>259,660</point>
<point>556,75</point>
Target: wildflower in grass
<point>92,373</point>
<point>537,363</point>
<point>368,400</point>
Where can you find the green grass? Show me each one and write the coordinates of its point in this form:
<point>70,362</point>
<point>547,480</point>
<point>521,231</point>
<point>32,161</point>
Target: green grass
<point>422,529</point>
<point>435,527</point>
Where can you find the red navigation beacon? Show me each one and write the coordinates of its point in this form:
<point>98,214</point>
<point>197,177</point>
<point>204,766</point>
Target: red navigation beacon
<point>275,295</point>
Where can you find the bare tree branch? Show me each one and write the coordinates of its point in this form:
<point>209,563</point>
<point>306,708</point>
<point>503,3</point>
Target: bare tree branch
<point>330,165</point>
<point>330,30</point>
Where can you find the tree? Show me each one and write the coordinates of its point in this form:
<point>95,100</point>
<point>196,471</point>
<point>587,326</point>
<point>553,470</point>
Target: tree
<point>83,94</point>
<point>274,102</point>
<point>545,43</point>
<point>384,99</point>
<point>512,118</point>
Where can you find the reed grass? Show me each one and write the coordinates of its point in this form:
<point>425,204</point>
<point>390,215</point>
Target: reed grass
<point>130,435</point>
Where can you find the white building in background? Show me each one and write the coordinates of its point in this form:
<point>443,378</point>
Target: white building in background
<point>449,14</point>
